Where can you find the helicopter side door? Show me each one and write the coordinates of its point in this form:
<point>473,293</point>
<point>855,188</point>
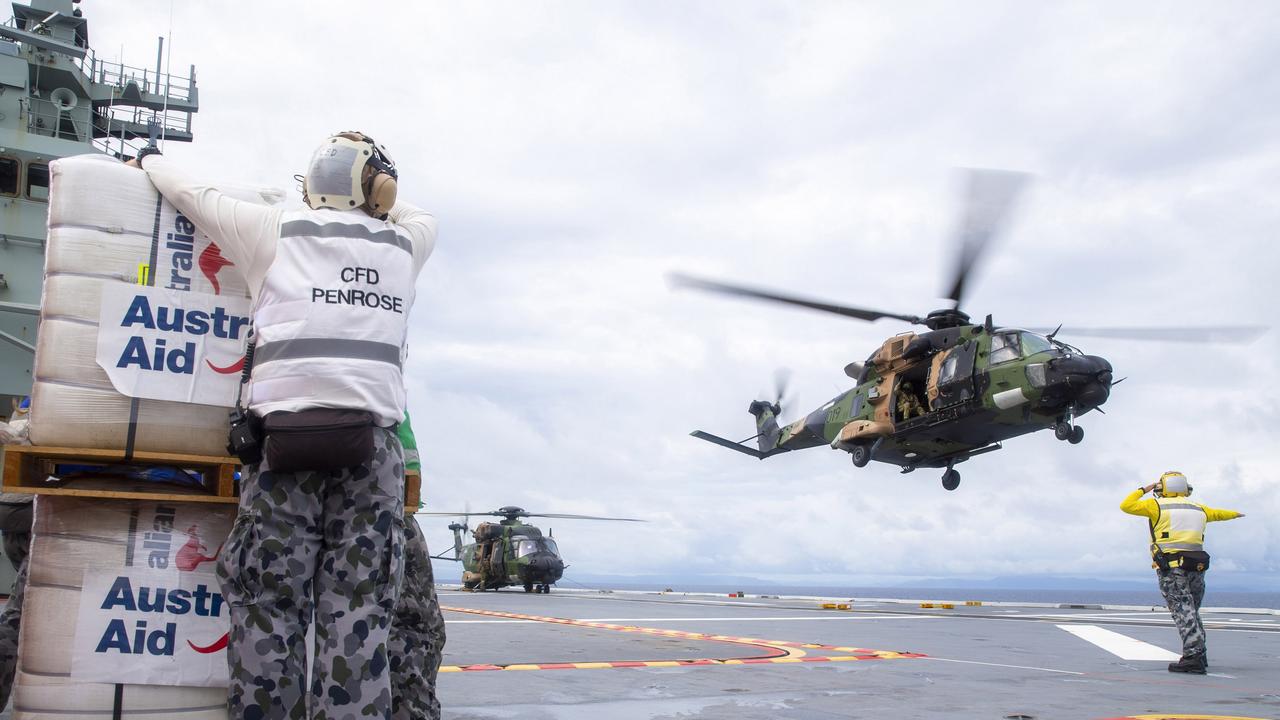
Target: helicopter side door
<point>952,376</point>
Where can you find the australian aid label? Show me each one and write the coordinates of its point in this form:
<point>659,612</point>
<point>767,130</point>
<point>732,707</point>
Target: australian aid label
<point>164,343</point>
<point>151,627</point>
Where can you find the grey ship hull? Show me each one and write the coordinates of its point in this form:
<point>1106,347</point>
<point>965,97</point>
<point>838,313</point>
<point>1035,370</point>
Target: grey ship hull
<point>993,661</point>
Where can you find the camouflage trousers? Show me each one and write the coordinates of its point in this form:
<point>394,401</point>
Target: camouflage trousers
<point>17,546</point>
<point>1183,590</point>
<point>328,543</point>
<point>417,634</point>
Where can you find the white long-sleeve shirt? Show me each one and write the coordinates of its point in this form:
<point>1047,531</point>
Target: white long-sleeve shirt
<point>247,233</point>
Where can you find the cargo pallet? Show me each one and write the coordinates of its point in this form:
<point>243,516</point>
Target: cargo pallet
<point>27,469</point>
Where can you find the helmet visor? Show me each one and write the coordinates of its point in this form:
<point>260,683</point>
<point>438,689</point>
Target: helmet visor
<point>330,171</point>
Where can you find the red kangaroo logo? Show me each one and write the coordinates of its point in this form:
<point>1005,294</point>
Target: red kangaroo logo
<point>211,261</point>
<point>191,556</point>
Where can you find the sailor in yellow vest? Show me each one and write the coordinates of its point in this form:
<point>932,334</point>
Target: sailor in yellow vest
<point>1177,550</point>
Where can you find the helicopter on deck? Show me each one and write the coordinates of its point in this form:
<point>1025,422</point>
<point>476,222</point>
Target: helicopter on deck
<point>959,389</point>
<point>509,552</point>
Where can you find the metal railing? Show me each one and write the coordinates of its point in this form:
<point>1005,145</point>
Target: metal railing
<point>119,75</point>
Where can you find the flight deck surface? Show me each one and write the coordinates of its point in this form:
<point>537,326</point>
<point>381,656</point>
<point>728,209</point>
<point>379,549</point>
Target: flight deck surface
<point>627,655</point>
<point>578,655</point>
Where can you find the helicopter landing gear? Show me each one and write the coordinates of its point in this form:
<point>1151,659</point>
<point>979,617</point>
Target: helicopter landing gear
<point>1073,434</point>
<point>1067,429</point>
<point>544,588</point>
<point>950,479</point>
<point>528,587</point>
<point>861,455</point>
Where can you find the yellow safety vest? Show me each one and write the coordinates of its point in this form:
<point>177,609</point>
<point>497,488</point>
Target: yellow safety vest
<point>1178,528</point>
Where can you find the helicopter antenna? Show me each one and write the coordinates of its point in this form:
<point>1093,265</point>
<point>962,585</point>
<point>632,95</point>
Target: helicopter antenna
<point>1055,332</point>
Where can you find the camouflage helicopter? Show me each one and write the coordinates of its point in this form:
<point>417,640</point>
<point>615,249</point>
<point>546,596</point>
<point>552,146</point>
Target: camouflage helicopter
<point>509,552</point>
<point>957,389</point>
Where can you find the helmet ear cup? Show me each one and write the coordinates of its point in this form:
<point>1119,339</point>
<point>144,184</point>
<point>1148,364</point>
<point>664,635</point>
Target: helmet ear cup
<point>381,194</point>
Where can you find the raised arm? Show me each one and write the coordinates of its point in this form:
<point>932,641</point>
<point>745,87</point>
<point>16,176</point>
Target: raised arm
<point>245,232</point>
<point>1135,505</point>
<point>421,227</point>
<point>1214,514</point>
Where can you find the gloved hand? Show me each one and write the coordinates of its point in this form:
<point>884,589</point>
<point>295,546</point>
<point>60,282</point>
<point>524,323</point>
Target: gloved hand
<point>149,149</point>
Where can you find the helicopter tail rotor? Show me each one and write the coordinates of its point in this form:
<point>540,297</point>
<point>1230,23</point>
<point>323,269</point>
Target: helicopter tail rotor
<point>766,414</point>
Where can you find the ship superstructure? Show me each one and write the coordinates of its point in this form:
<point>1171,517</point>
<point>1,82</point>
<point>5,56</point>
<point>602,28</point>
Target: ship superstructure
<point>58,99</point>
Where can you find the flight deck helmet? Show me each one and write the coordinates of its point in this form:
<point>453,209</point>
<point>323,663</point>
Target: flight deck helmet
<point>1173,484</point>
<point>351,171</point>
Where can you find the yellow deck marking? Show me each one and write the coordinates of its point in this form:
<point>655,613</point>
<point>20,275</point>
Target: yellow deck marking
<point>777,651</point>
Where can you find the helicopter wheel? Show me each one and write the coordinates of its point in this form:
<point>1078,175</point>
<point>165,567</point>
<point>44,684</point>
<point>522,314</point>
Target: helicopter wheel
<point>1077,435</point>
<point>528,587</point>
<point>951,479</point>
<point>861,455</point>
<point>1064,431</point>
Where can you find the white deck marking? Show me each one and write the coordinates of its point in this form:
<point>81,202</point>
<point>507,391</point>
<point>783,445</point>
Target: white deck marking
<point>715,619</point>
<point>1003,665</point>
<point>1122,646</point>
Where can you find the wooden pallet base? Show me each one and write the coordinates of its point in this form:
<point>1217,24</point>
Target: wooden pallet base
<point>27,469</point>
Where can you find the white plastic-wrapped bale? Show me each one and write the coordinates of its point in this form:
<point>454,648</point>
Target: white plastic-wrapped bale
<point>82,545</point>
<point>56,697</point>
<point>110,233</point>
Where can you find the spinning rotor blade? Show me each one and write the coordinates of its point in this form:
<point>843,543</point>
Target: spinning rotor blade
<point>781,378</point>
<point>989,197</point>
<point>1227,334</point>
<point>688,281</point>
<point>581,517</point>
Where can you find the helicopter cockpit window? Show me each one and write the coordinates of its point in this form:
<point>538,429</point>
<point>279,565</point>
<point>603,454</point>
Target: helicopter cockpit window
<point>1032,344</point>
<point>1004,347</point>
<point>526,546</point>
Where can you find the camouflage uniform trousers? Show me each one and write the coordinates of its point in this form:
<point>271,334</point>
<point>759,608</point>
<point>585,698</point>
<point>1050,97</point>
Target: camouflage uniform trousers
<point>1183,590</point>
<point>17,546</point>
<point>417,634</point>
<point>325,542</point>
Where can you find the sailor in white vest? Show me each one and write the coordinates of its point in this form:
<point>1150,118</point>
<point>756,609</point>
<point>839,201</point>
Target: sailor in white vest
<point>321,517</point>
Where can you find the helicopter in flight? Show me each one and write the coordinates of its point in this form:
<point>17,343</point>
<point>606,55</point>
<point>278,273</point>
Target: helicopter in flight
<point>509,552</point>
<point>936,397</point>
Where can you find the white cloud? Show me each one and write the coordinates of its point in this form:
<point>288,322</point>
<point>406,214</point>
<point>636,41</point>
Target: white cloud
<point>575,152</point>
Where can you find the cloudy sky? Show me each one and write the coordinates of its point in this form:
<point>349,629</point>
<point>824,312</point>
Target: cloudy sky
<point>576,152</point>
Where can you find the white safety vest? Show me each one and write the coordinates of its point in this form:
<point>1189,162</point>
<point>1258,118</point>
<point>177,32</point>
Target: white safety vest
<point>331,319</point>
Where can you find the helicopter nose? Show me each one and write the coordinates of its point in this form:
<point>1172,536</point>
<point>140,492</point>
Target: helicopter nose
<point>548,566</point>
<point>1080,380</point>
<point>1096,377</point>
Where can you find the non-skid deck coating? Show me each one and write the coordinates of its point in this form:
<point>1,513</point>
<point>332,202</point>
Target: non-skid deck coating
<point>575,655</point>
